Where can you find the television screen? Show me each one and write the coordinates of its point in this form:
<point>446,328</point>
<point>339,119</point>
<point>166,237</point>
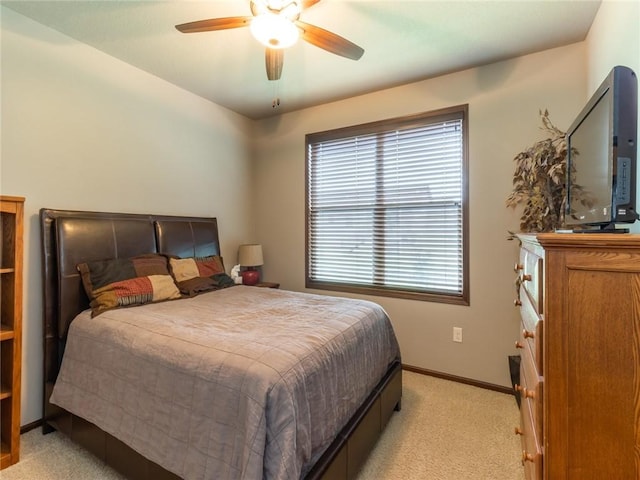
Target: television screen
<point>602,154</point>
<point>591,142</point>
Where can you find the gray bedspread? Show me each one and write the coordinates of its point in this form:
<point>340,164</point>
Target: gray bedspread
<point>240,383</point>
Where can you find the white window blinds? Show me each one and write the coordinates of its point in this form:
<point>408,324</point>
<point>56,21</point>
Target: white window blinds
<point>385,208</point>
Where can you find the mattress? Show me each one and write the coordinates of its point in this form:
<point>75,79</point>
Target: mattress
<point>239,383</point>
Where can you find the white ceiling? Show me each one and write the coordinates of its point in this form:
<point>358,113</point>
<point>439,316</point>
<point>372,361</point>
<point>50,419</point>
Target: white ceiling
<point>404,41</point>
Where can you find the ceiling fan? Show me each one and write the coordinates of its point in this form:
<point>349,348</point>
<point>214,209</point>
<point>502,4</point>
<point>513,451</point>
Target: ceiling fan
<point>276,24</point>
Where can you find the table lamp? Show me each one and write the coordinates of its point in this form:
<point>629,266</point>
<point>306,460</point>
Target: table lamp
<point>250,256</point>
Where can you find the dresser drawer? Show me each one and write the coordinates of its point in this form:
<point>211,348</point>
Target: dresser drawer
<point>531,332</point>
<point>531,390</point>
<point>531,451</point>
<point>530,268</point>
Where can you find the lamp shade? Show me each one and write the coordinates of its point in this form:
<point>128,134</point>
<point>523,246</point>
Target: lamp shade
<point>274,31</point>
<point>250,255</point>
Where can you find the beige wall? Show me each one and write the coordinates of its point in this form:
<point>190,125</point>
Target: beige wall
<point>82,130</point>
<point>614,39</point>
<point>504,99</point>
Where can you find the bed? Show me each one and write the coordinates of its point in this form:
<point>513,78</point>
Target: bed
<point>295,414</point>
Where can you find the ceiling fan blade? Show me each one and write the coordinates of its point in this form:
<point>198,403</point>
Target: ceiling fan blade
<point>329,41</point>
<point>214,24</point>
<point>274,58</point>
<point>308,3</point>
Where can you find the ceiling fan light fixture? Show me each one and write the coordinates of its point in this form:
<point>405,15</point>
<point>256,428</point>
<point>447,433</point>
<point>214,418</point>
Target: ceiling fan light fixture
<point>274,31</point>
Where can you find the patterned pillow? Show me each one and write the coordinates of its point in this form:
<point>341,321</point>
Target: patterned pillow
<point>127,282</point>
<point>199,274</point>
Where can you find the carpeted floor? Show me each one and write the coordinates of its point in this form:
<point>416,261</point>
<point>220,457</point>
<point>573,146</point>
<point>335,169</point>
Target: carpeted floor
<point>445,431</point>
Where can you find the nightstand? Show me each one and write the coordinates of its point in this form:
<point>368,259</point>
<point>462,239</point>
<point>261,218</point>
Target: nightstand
<point>267,285</point>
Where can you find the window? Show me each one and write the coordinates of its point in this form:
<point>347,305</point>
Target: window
<point>387,208</point>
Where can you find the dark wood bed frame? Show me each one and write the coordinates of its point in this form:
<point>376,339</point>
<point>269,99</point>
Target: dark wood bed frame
<point>73,237</point>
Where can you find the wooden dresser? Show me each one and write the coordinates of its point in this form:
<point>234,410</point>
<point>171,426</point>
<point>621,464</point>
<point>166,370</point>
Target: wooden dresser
<point>11,225</point>
<point>579,298</point>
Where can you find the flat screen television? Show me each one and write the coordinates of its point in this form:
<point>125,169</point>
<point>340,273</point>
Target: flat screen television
<point>601,157</point>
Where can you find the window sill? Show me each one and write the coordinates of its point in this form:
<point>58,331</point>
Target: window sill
<point>390,292</point>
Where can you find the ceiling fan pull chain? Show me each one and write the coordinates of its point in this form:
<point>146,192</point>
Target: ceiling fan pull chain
<point>276,94</point>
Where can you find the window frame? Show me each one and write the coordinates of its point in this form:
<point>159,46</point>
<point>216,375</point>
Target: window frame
<point>459,112</point>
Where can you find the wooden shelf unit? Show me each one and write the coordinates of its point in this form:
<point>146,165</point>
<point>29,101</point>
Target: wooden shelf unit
<point>11,253</point>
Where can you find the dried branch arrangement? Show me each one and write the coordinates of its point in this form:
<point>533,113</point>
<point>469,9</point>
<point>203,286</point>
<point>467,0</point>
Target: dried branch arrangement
<point>539,181</point>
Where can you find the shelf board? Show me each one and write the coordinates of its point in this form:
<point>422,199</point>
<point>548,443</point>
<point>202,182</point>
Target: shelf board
<point>6,332</point>
<point>7,270</point>
<point>5,393</point>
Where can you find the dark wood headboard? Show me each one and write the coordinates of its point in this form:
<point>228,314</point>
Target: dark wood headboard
<point>71,237</point>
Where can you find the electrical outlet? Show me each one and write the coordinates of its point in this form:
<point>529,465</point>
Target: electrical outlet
<point>457,334</point>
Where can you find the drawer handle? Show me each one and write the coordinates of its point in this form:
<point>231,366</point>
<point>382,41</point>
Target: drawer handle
<point>524,393</point>
<point>528,334</point>
<point>519,431</point>
<point>519,345</point>
<point>526,277</point>
<point>528,457</point>
<point>518,267</point>
<point>517,302</point>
